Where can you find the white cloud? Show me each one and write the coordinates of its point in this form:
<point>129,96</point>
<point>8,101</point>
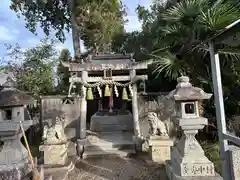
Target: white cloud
<point>16,31</point>
<point>33,41</point>
<point>69,45</point>
<point>6,34</point>
<point>133,24</point>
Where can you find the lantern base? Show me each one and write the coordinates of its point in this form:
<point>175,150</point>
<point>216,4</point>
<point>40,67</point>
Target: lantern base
<point>173,176</point>
<point>15,171</point>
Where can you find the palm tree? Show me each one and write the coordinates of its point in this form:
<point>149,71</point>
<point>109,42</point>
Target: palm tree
<point>184,26</point>
<point>178,30</point>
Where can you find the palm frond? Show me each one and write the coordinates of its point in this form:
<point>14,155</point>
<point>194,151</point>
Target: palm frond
<point>204,80</point>
<point>230,54</point>
<point>230,51</point>
<point>163,49</point>
<point>184,10</point>
<point>218,16</point>
<point>172,29</point>
<point>168,64</point>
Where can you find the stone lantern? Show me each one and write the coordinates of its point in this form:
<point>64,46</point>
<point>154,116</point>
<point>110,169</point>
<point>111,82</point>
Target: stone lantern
<point>187,156</point>
<point>14,161</point>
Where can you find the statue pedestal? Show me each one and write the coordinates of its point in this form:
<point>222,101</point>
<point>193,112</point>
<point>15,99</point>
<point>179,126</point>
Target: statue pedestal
<point>55,154</point>
<point>159,148</point>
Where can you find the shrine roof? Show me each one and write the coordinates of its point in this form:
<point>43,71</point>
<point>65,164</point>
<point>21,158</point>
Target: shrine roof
<point>110,61</point>
<point>111,57</point>
<point>106,61</point>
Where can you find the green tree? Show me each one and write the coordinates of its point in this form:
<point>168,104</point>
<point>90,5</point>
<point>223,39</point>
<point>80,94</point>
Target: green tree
<point>33,67</point>
<point>182,26</point>
<point>92,20</point>
<point>176,30</point>
<point>63,73</point>
<point>173,33</point>
<point>102,22</point>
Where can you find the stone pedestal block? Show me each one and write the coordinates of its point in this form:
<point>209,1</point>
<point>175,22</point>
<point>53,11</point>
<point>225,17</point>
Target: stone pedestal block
<point>196,164</point>
<point>55,154</point>
<point>15,172</point>
<point>14,161</point>
<point>12,151</point>
<point>187,157</point>
<point>159,148</point>
<point>188,160</point>
<point>194,169</point>
<point>235,162</point>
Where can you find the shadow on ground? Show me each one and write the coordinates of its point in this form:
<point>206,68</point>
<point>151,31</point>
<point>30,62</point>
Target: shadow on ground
<point>116,168</point>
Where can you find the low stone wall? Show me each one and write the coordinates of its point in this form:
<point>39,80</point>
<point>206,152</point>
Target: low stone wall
<point>52,106</point>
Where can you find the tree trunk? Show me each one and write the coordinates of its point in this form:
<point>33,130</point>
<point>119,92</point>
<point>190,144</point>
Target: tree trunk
<point>75,33</point>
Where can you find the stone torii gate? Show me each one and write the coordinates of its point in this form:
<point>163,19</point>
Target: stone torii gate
<point>106,69</point>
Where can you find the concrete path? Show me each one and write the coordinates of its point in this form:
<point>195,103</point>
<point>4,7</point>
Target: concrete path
<point>112,168</point>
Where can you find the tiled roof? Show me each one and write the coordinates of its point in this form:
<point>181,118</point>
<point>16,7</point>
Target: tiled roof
<point>110,58</point>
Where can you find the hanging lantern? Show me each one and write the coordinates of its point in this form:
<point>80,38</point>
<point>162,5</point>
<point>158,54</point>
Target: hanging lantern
<point>89,94</point>
<point>99,91</point>
<point>124,94</point>
<point>116,91</point>
<point>107,91</point>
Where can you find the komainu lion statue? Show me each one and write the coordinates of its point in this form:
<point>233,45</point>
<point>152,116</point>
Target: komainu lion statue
<point>55,132</point>
<point>156,126</point>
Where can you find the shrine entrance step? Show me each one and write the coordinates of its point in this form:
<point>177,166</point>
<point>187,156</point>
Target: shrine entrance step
<point>118,122</point>
<point>118,143</point>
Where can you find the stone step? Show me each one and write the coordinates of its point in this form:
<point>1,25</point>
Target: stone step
<point>104,142</point>
<point>111,123</point>
<point>110,139</point>
<point>106,147</point>
<point>121,153</point>
<point>110,128</point>
<point>101,144</point>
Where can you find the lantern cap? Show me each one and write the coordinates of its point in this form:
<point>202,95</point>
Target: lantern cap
<point>185,91</point>
<point>14,97</point>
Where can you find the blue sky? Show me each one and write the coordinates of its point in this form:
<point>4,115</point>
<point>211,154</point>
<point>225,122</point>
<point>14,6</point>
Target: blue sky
<point>12,29</point>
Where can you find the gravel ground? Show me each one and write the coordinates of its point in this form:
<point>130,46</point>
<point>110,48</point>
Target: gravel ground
<point>113,168</point>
